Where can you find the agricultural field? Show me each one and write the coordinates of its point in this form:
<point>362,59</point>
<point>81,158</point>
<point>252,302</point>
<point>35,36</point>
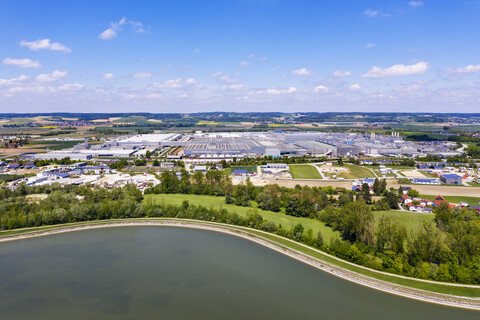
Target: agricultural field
<point>412,220</point>
<point>219,202</point>
<point>304,171</point>
<point>356,172</point>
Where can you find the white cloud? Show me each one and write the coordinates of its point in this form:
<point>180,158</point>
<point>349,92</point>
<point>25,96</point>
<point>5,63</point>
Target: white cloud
<point>223,77</point>
<point>173,84</point>
<point>21,63</point>
<point>264,58</point>
<point>142,75</point>
<point>70,87</point>
<point>320,88</point>
<point>397,70</point>
<point>244,63</point>
<point>370,45</point>
<point>108,76</point>
<point>51,77</point>
<point>115,27</point>
<point>276,68</point>
<point>355,87</point>
<point>8,82</point>
<point>234,87</point>
<point>341,74</point>
<point>371,13</point>
<point>251,56</point>
<point>468,69</point>
<point>276,91</point>
<point>44,44</point>
<point>196,51</point>
<point>302,72</point>
<point>415,3</point>
<point>190,81</point>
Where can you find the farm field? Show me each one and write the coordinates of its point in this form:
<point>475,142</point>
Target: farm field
<point>304,171</point>
<point>412,220</point>
<point>219,202</point>
<point>356,172</point>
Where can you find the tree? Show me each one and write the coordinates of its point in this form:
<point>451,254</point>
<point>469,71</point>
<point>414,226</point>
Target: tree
<point>392,199</point>
<point>413,193</point>
<point>358,223</point>
<point>366,195</point>
<point>293,207</point>
<point>340,161</point>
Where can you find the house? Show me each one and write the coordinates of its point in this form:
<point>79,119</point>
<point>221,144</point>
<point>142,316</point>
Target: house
<point>406,199</point>
<point>476,208</point>
<point>423,166</point>
<point>411,207</point>
<point>199,168</point>
<point>463,204</point>
<point>427,210</point>
<point>438,200</point>
<point>428,202</point>
<point>451,179</point>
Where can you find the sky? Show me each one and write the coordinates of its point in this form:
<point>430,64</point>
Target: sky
<point>239,55</point>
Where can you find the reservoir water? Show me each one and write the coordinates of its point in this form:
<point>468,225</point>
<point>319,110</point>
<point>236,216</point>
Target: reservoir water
<point>176,273</point>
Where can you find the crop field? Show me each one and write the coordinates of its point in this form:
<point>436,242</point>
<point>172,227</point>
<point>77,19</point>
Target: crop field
<point>412,220</point>
<point>304,172</point>
<point>219,202</point>
<point>356,172</point>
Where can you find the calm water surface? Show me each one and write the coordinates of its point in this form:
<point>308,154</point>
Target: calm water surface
<point>176,273</point>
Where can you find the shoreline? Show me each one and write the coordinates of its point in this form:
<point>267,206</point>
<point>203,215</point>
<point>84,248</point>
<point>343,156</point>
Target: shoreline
<point>388,287</point>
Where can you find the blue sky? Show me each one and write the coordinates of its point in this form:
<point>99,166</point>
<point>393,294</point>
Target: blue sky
<point>239,55</point>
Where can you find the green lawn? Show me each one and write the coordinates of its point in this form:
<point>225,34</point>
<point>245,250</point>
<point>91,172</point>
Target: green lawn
<point>55,145</point>
<point>412,220</point>
<point>304,171</point>
<point>219,202</point>
<point>474,201</point>
<point>356,172</point>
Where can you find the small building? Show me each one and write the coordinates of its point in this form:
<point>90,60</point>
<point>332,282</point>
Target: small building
<point>199,168</point>
<point>240,172</point>
<point>438,200</point>
<point>451,179</point>
<point>167,165</point>
<point>282,166</point>
<point>13,166</point>
<point>427,210</point>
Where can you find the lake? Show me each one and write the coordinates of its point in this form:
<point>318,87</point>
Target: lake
<point>149,272</point>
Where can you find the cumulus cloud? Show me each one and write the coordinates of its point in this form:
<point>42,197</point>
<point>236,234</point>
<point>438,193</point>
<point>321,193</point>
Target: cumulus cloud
<point>276,91</point>
<point>21,63</point>
<point>70,87</point>
<point>371,13</point>
<point>223,77</point>
<point>234,87</point>
<point>244,63</point>
<point>108,76</point>
<point>370,45</point>
<point>276,68</point>
<point>173,83</point>
<point>115,27</point>
<point>302,72</point>
<point>396,70</point>
<point>415,3</point>
<point>341,74</point>
<point>468,69</point>
<point>196,51</point>
<point>52,77</point>
<point>355,87</point>
<point>44,44</point>
<point>320,88</point>
<point>142,75</point>
<point>8,82</point>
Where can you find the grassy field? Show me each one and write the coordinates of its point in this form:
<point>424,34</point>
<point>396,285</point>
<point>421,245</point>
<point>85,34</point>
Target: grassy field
<point>219,202</point>
<point>412,220</point>
<point>304,171</point>
<point>356,172</point>
<point>474,201</point>
<point>53,145</point>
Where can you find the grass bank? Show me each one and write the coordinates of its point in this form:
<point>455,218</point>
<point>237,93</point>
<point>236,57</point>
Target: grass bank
<point>304,171</point>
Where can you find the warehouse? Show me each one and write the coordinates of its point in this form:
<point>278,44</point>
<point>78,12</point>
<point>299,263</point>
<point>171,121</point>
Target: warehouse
<point>451,179</point>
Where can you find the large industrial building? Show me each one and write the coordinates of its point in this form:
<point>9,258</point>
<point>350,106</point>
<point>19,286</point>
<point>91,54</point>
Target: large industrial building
<point>203,147</point>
